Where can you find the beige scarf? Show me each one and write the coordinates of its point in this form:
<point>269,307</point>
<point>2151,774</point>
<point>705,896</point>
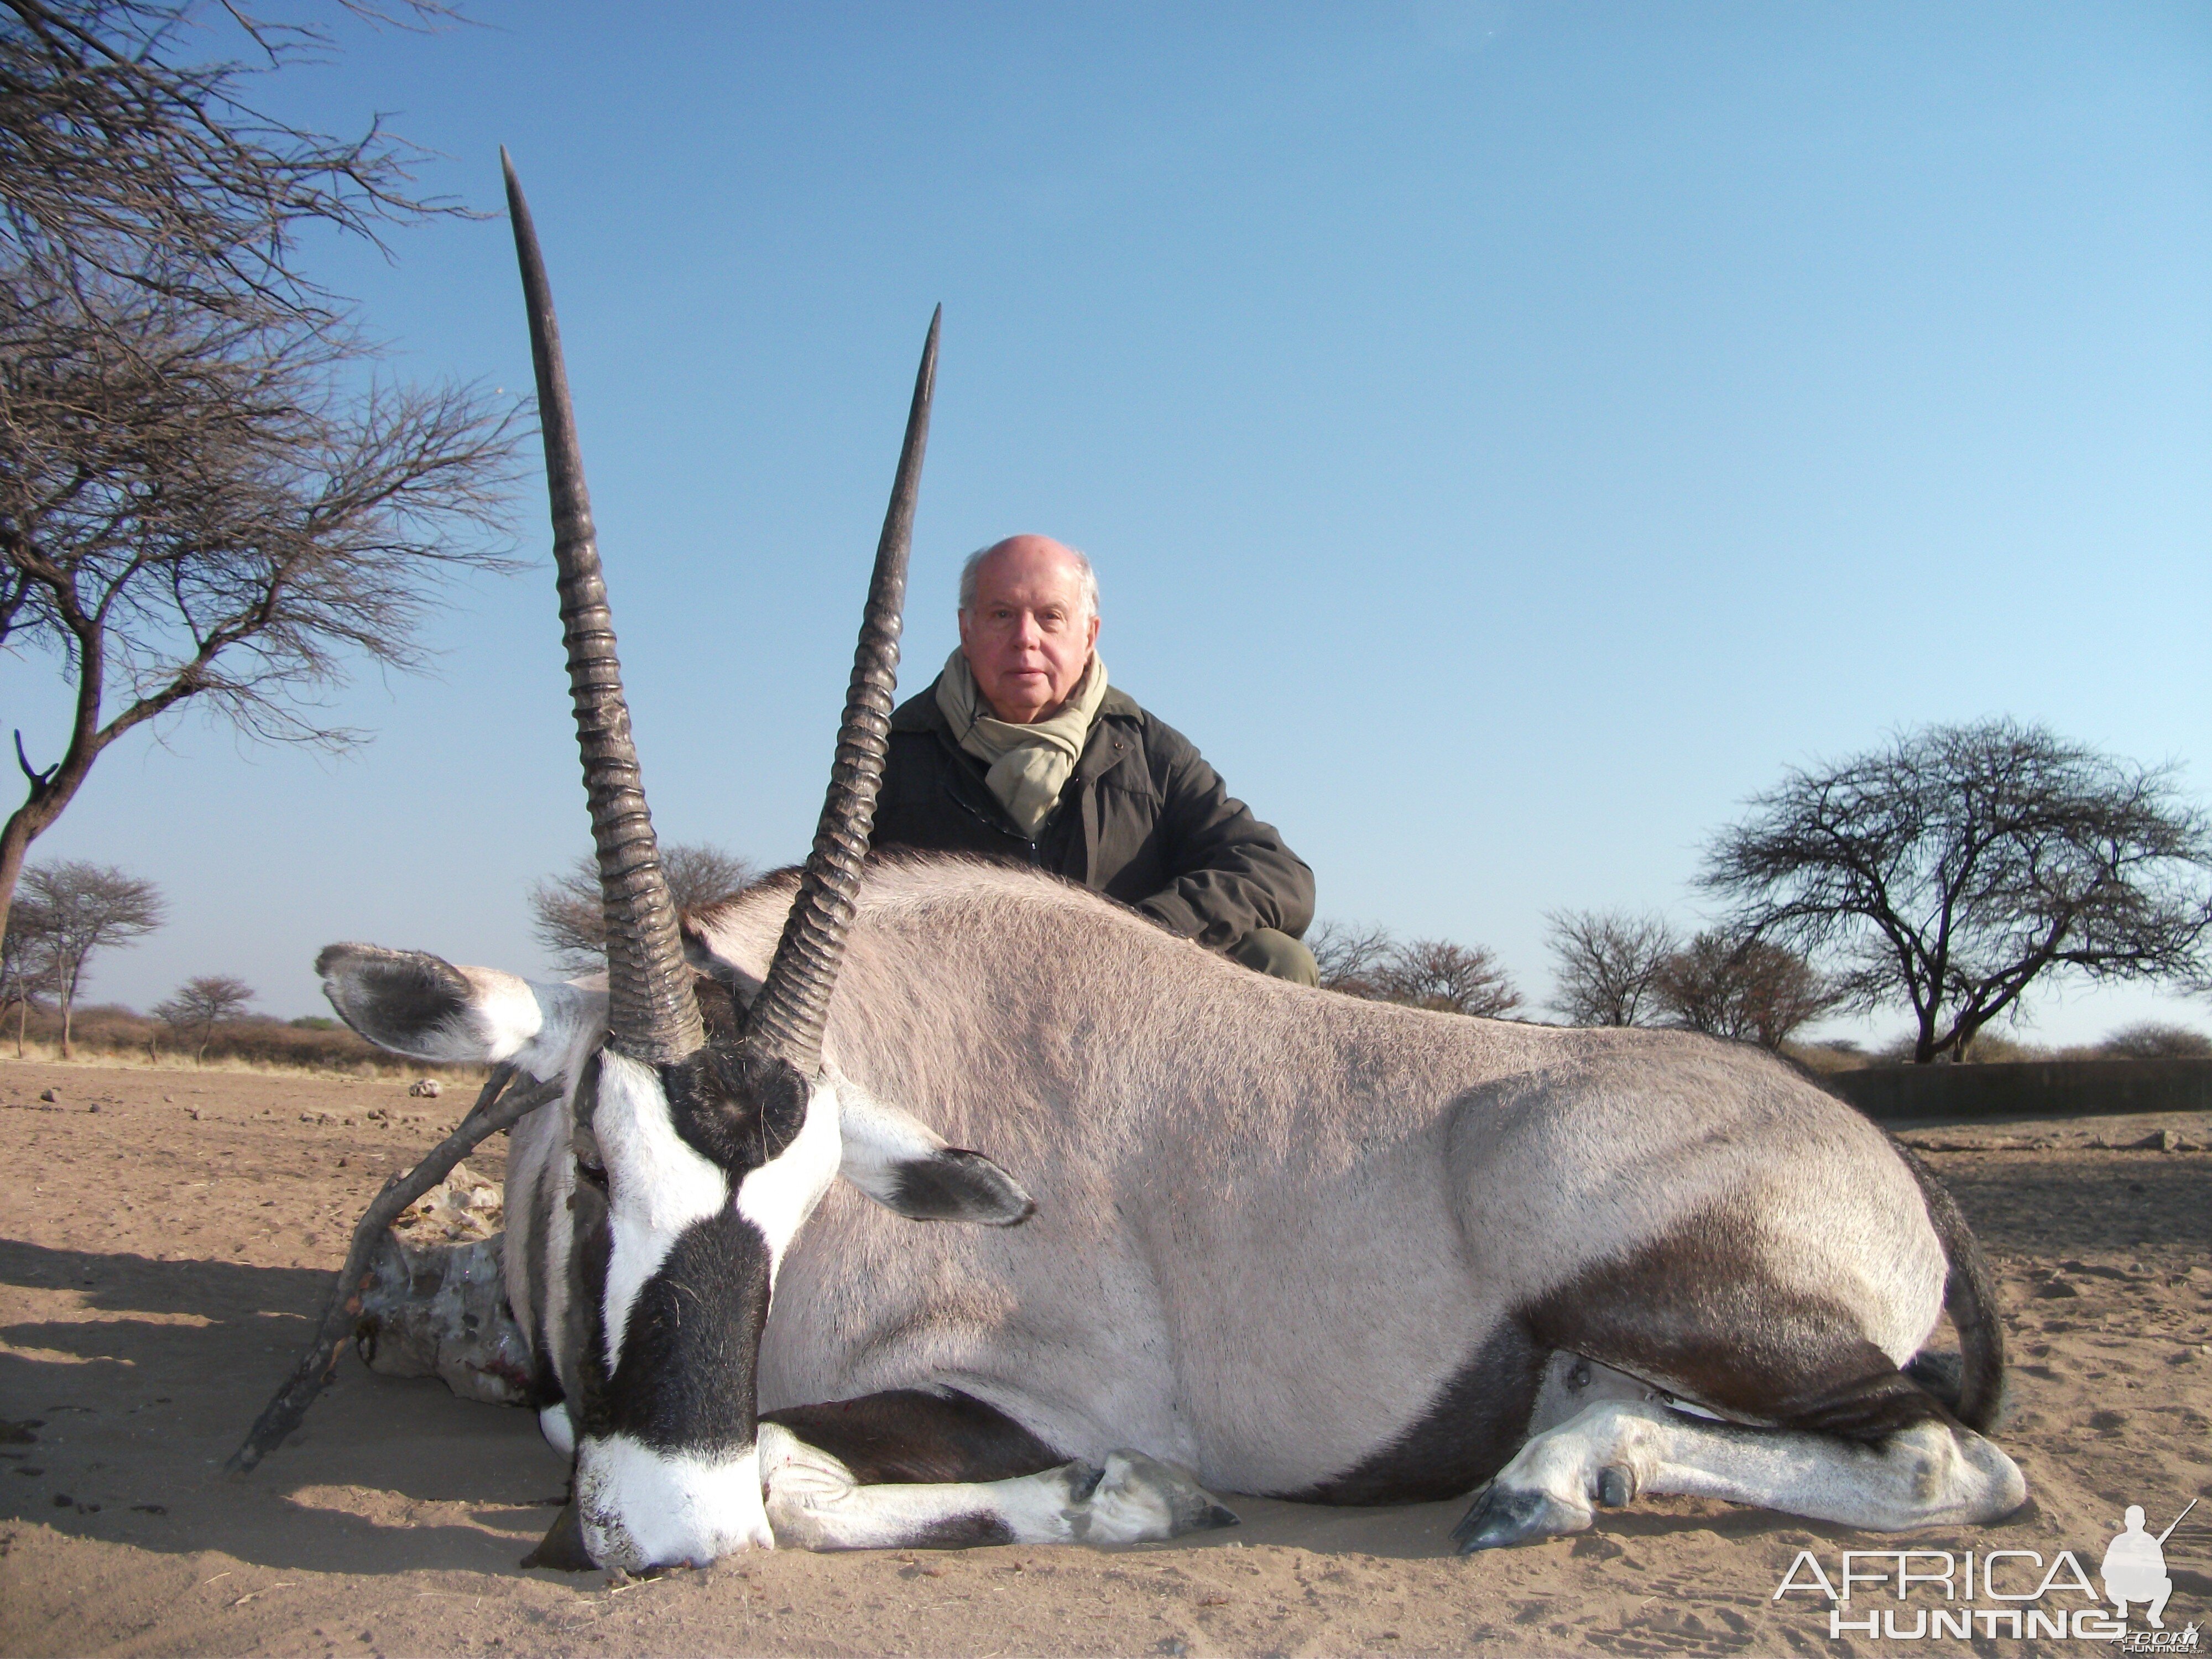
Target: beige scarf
<point>1030,764</point>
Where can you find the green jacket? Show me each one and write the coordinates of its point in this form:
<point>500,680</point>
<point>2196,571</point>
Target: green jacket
<point>1144,819</point>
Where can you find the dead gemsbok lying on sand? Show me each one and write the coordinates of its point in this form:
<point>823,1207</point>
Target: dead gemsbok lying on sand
<point>1265,1239</point>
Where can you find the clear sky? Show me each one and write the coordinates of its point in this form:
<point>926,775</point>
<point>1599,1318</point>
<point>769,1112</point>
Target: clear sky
<point>1509,434</point>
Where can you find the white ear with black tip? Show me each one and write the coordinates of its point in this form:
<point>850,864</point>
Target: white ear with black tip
<point>421,1005</point>
<point>906,1166</point>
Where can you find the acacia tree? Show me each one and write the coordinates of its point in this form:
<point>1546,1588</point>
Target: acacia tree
<point>87,908</point>
<point>569,918</point>
<point>1959,864</point>
<point>204,496</point>
<point>1750,989</point>
<point>1449,978</point>
<point>1608,963</point>
<point>1364,959</point>
<point>200,1004</point>
<point>27,961</point>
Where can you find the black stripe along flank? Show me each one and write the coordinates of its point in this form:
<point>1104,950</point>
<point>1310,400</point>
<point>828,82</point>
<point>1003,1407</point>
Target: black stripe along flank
<point>1468,1431</point>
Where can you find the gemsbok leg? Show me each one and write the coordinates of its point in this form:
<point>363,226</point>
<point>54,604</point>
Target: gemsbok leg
<point>908,1470</point>
<point>1932,1473</point>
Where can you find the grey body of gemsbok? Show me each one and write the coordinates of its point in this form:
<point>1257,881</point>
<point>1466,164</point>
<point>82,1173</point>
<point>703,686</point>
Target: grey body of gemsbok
<point>1256,1238</point>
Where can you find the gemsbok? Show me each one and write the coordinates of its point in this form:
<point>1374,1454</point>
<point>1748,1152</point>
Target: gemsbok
<point>1257,1238</point>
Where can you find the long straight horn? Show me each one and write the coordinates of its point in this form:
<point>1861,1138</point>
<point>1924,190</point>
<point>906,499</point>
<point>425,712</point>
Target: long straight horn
<point>653,1014</point>
<point>788,1016</point>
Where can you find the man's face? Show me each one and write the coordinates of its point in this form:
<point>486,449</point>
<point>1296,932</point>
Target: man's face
<point>1029,636</point>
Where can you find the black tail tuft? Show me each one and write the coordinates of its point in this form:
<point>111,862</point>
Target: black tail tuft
<point>1941,1373</point>
<point>1971,1384</point>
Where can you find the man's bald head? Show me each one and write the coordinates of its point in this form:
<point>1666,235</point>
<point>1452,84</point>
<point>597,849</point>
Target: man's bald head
<point>1029,616</point>
<point>1024,550</point>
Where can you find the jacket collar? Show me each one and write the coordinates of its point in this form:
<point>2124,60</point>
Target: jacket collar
<point>1111,740</point>
<point>920,713</point>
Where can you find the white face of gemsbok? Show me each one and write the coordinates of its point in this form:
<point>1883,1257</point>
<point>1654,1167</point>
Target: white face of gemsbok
<point>689,1182</point>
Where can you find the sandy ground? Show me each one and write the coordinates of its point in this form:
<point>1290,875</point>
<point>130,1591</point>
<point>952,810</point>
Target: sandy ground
<point>164,1236</point>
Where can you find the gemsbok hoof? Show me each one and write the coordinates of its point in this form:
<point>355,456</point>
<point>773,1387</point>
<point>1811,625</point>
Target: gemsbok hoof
<point>1141,1499</point>
<point>1616,1485</point>
<point>1503,1517</point>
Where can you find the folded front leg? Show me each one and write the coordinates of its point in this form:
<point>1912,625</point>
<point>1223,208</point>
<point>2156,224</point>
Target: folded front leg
<point>814,1502</point>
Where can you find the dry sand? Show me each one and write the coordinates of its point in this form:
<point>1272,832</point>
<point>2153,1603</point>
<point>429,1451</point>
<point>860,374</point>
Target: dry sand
<point>164,1236</point>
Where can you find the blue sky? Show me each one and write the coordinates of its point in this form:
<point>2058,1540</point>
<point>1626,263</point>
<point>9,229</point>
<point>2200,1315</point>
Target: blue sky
<point>1508,436</point>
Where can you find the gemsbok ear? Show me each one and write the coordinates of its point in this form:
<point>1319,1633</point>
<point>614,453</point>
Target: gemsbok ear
<point>422,1006</point>
<point>907,1167</point>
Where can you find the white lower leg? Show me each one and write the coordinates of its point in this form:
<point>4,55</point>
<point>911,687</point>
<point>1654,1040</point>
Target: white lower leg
<point>1931,1475</point>
<point>814,1502</point>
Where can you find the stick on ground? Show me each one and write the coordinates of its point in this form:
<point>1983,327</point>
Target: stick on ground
<point>500,1105</point>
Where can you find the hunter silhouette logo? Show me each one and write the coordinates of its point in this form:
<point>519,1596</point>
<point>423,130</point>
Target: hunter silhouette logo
<point>2135,1566</point>
<point>1909,1595</point>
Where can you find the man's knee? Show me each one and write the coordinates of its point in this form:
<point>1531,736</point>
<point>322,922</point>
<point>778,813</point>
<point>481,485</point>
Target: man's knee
<point>1268,951</point>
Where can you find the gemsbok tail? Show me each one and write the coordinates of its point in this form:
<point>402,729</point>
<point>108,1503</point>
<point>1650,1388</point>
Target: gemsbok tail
<point>1970,1295</point>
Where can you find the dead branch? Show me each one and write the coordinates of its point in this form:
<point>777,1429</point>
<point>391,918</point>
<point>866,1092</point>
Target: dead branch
<point>499,1106</point>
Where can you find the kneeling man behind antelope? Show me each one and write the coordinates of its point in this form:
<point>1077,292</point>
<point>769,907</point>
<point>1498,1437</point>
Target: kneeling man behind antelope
<point>1265,1239</point>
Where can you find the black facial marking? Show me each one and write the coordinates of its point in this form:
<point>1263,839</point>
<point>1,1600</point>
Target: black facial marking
<point>1698,1313</point>
<point>735,1107</point>
<point>1469,1432</point>
<point>582,1340</point>
<point>957,1185</point>
<point>718,1009</point>
<point>685,1377</point>
<point>535,1242</point>
<point>905,1437</point>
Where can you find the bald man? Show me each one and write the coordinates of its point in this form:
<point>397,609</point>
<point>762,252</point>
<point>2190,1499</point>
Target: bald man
<point>1021,750</point>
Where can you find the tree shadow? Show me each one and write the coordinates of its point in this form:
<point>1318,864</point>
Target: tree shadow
<point>135,1388</point>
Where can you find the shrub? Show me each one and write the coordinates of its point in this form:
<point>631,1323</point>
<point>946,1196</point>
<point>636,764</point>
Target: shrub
<point>113,1032</point>
<point>2152,1040</point>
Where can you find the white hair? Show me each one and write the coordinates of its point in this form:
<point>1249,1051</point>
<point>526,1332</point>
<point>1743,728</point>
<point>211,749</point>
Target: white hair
<point>1086,578</point>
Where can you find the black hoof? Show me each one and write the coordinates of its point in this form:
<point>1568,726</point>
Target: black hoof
<point>1616,1487</point>
<point>1216,1516</point>
<point>1504,1516</point>
<point>1082,1479</point>
<point>562,1547</point>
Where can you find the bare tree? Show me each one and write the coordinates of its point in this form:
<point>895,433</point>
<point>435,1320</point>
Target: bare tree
<point>188,513</point>
<point>1607,963</point>
<point>1351,955</point>
<point>1745,988</point>
<point>88,907</point>
<point>200,1004</point>
<point>1364,959</point>
<point>121,162</point>
<point>1454,979</point>
<point>27,961</point>
<point>198,498</point>
<point>566,910</point>
<point>1958,865</point>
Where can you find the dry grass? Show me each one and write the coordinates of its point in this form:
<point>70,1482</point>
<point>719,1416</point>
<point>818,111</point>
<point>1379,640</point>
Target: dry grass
<point>112,1036</point>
